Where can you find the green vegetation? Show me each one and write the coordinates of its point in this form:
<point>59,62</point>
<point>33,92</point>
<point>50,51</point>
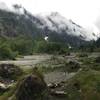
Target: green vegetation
<point>84,86</point>
<point>6,52</point>
<point>82,55</point>
<point>10,48</point>
<point>50,47</point>
<point>93,46</point>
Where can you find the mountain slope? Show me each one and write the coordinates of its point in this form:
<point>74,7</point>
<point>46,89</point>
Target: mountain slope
<point>19,21</point>
<point>55,22</point>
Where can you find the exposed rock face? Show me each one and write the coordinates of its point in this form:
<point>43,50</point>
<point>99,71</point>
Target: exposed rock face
<point>31,88</point>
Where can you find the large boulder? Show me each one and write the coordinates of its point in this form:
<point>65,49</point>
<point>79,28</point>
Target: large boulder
<point>72,66</point>
<point>10,71</point>
<point>32,87</point>
<point>97,60</point>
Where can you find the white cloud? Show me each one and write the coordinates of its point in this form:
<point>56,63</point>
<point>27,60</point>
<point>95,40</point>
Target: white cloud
<point>3,6</point>
<point>83,12</point>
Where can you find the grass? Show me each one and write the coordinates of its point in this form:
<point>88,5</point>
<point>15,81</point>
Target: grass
<point>89,85</point>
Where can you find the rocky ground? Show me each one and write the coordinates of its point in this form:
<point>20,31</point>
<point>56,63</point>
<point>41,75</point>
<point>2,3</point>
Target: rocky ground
<point>54,76</point>
<point>31,61</point>
<point>55,71</point>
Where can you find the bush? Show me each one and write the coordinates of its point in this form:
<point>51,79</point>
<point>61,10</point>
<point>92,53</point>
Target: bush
<point>86,84</point>
<point>50,47</point>
<point>64,51</point>
<point>6,52</point>
<point>22,45</point>
<point>82,55</point>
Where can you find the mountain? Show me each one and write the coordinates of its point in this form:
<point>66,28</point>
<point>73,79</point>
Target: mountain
<point>18,21</point>
<point>55,22</point>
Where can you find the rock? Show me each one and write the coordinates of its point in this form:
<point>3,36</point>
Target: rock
<point>3,87</point>
<point>97,60</point>
<point>73,66</point>
<point>54,85</point>
<point>9,71</point>
<point>31,87</point>
<point>58,93</point>
<point>77,85</point>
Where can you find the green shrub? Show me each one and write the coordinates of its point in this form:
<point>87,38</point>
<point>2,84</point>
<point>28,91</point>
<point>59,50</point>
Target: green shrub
<point>86,84</point>
<point>6,52</point>
<point>22,45</point>
<point>49,47</point>
<point>82,55</point>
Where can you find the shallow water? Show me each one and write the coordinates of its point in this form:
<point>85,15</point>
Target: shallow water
<point>28,60</point>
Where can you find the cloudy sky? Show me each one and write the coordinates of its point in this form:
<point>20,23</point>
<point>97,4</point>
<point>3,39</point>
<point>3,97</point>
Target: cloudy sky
<point>83,12</point>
